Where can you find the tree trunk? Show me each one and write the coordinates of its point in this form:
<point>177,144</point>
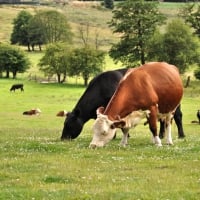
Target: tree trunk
<point>7,74</point>
<point>142,58</point>
<point>187,82</point>
<point>40,47</point>
<point>32,46</point>
<point>58,75</point>
<point>29,49</point>
<point>86,81</point>
<point>64,78</point>
<point>14,75</point>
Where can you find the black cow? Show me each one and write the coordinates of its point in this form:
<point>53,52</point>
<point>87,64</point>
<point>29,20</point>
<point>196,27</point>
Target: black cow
<point>98,93</point>
<point>16,87</point>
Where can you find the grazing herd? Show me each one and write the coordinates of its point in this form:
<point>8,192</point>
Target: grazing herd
<point>155,88</point>
<point>121,99</point>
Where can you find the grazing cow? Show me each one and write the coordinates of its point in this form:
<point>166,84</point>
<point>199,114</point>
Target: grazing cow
<point>98,93</point>
<point>155,87</point>
<point>62,113</point>
<point>34,111</point>
<point>16,87</point>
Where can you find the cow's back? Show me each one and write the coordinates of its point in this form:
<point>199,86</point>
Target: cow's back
<point>150,84</point>
<point>166,83</point>
<point>99,92</point>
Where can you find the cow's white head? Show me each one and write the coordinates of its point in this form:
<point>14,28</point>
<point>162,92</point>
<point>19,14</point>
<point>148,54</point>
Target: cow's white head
<point>104,129</point>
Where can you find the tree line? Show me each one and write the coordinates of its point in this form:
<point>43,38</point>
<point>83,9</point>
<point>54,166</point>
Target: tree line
<point>137,23</point>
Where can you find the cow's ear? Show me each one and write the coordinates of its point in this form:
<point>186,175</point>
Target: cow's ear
<point>118,124</point>
<point>67,113</point>
<point>100,110</point>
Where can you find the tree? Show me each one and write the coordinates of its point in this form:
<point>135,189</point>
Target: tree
<point>62,60</point>
<point>53,25</point>
<point>36,33</point>
<point>177,46</point>
<point>86,61</point>
<point>197,73</point>
<point>12,60</point>
<point>191,15</point>
<point>109,4</point>
<point>56,60</point>
<point>20,33</point>
<point>135,21</point>
<point>84,35</point>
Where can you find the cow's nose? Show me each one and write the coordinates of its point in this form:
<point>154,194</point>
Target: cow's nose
<point>93,146</point>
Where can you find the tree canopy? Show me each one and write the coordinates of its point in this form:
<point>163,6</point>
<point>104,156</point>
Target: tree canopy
<point>191,15</point>
<point>13,60</point>
<point>20,34</point>
<point>44,27</point>
<point>109,4</point>
<point>87,61</point>
<point>177,45</point>
<point>135,21</point>
<point>56,60</point>
<point>54,26</point>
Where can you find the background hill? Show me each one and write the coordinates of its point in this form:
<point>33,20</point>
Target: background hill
<point>78,14</point>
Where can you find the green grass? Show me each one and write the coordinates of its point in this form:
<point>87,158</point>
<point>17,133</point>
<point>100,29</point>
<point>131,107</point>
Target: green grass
<point>35,164</point>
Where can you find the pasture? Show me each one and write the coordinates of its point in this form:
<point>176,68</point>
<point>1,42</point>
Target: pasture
<point>35,164</point>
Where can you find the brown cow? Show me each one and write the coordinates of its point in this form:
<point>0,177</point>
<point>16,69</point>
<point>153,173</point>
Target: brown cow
<point>34,111</point>
<point>155,88</point>
<point>62,113</point>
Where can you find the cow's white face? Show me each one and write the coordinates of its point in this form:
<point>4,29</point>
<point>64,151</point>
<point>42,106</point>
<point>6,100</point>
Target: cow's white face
<point>103,132</point>
<point>104,129</point>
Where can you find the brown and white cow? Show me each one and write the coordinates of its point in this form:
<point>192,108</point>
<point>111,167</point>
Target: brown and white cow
<point>34,111</point>
<point>153,90</point>
<point>62,113</point>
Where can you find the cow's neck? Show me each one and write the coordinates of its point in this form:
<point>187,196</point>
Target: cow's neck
<point>119,110</point>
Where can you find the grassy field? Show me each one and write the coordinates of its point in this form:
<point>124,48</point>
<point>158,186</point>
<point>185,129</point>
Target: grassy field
<point>35,164</point>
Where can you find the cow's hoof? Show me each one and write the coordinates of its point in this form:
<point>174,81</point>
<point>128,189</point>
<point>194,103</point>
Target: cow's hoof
<point>159,145</point>
<point>93,146</point>
<point>170,143</point>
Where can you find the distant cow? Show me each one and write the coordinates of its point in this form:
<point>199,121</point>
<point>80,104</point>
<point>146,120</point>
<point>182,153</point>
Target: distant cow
<point>62,113</point>
<point>16,87</point>
<point>155,87</point>
<point>198,115</point>
<point>98,93</point>
<point>34,111</point>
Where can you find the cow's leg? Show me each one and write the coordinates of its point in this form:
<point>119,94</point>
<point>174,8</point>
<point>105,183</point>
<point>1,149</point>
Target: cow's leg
<point>169,129</point>
<point>178,120</point>
<point>124,140</point>
<point>153,125</point>
<point>162,129</point>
